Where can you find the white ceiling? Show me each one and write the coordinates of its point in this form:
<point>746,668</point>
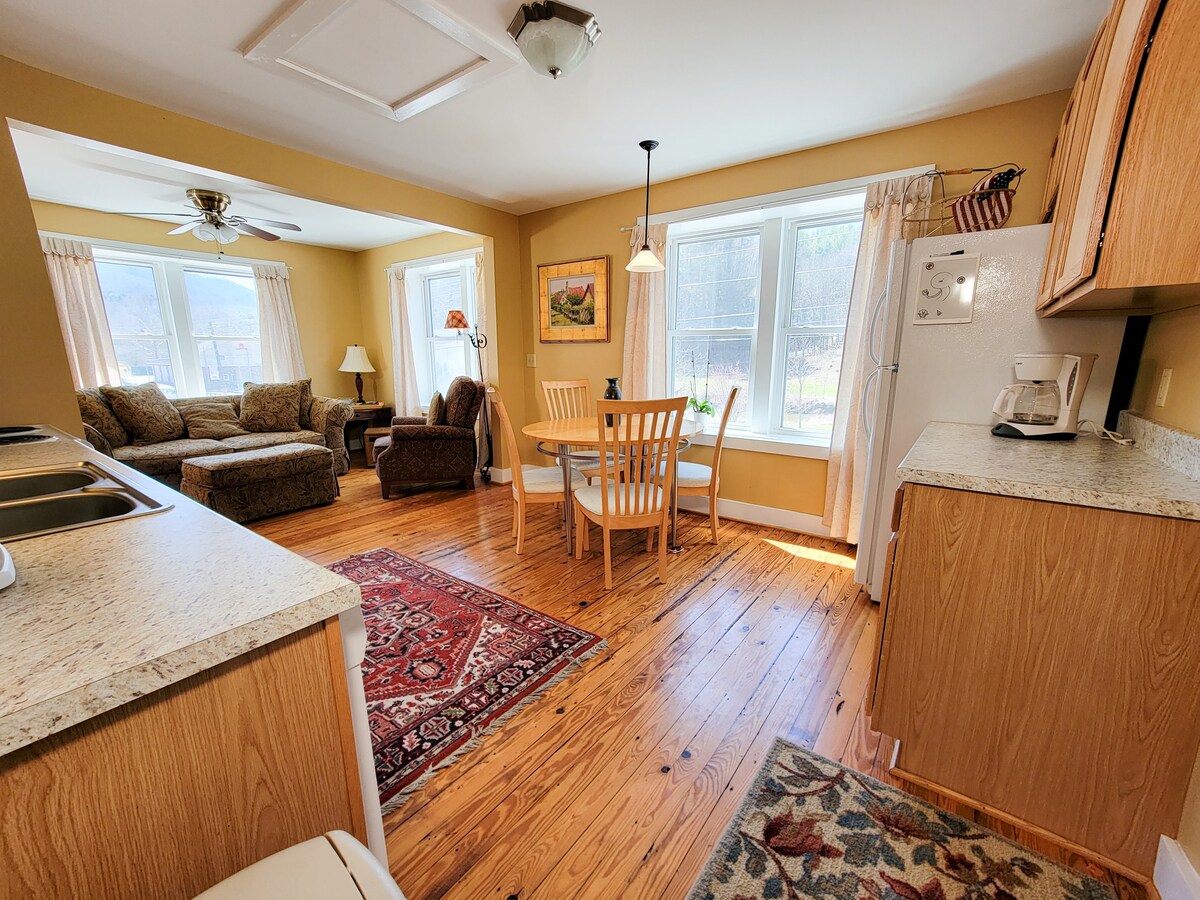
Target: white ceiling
<point>61,171</point>
<point>716,82</point>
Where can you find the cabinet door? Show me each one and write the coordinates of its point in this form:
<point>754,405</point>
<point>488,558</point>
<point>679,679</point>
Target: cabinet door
<point>1109,95</point>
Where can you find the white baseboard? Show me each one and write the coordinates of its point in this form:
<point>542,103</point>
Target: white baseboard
<point>771,516</point>
<point>1175,877</point>
<point>501,476</point>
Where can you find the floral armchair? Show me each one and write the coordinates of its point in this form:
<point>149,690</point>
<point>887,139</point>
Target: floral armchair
<point>419,452</point>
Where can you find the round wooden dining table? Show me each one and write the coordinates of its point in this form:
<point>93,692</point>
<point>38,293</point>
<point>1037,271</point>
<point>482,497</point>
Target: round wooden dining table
<point>557,437</point>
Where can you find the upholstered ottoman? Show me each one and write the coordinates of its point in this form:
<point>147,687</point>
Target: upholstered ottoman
<point>263,482</point>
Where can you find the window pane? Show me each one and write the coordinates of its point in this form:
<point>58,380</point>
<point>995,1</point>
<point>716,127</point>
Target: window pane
<point>810,391</point>
<point>721,362</point>
<point>716,282</point>
<point>444,293</point>
<point>824,271</point>
<point>130,298</point>
<point>144,360</point>
<point>221,304</point>
<point>227,365</point>
<point>448,362</point>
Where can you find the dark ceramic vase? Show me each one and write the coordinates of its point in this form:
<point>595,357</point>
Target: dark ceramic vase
<point>612,392</point>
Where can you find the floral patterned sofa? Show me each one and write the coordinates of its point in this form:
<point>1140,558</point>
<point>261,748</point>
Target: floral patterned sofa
<point>322,422</point>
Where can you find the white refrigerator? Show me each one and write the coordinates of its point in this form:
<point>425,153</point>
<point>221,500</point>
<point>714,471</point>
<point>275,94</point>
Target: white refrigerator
<point>929,364</point>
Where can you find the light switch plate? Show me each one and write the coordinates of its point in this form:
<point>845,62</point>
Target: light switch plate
<point>946,290</point>
<point>1164,385</point>
<point>531,361</point>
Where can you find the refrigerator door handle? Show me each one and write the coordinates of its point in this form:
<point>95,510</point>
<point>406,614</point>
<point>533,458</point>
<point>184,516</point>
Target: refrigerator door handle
<point>866,395</point>
<point>880,305</point>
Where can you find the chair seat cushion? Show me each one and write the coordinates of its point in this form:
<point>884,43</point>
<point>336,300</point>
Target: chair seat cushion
<point>694,475</point>
<point>272,439</point>
<point>549,480</point>
<point>262,464</point>
<point>165,458</point>
<point>591,498</point>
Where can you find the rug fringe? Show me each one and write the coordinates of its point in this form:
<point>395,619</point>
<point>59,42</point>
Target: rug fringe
<point>569,669</point>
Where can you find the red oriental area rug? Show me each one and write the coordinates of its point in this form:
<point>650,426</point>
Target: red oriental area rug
<point>447,662</point>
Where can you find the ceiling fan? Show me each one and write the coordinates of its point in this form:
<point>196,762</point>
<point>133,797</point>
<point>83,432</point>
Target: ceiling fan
<point>209,221</point>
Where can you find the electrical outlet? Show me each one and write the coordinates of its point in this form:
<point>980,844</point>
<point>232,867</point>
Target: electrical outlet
<point>1164,385</point>
<point>531,361</point>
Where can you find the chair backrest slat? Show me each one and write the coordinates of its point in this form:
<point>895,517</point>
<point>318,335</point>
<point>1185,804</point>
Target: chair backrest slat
<point>637,453</point>
<point>508,439</point>
<point>568,399</point>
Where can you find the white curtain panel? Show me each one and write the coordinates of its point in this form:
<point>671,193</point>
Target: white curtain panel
<point>279,337</point>
<point>481,310</point>
<point>644,362</point>
<point>888,202</point>
<point>404,364</point>
<point>81,314</point>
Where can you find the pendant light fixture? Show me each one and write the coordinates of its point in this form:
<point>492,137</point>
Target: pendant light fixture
<point>554,37</point>
<point>646,261</point>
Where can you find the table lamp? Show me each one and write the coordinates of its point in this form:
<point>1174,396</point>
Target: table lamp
<point>356,361</point>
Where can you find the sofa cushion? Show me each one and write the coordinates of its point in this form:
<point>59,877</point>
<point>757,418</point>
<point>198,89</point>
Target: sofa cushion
<point>462,402</point>
<point>271,407</point>
<point>165,458</point>
<point>95,412</point>
<point>145,413</point>
<point>272,439</point>
<point>437,410</point>
<point>211,420</point>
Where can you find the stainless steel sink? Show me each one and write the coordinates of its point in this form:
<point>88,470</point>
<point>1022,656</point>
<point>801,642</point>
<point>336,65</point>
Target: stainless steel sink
<point>56,498</point>
<point>38,484</point>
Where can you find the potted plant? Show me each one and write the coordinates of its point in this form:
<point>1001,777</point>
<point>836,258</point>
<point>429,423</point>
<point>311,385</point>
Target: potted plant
<point>701,409</point>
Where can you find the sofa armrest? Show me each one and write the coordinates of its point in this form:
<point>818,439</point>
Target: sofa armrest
<point>430,433</point>
<point>408,420</point>
<point>329,418</point>
<point>97,440</point>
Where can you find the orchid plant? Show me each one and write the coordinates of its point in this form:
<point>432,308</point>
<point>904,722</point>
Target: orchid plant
<point>701,406</point>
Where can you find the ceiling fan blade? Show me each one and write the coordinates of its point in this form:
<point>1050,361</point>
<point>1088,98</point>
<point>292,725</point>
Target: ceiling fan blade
<point>120,213</point>
<point>186,226</point>
<point>287,225</point>
<point>257,232</point>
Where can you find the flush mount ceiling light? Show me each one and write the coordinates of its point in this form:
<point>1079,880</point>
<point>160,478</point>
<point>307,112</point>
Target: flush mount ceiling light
<point>554,37</point>
<point>646,261</point>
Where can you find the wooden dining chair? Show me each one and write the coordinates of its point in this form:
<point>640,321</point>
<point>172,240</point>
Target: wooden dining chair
<point>541,484</point>
<point>637,467</point>
<point>573,400</point>
<point>699,480</point>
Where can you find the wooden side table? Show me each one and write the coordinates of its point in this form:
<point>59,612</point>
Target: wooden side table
<point>369,438</point>
<point>366,417</point>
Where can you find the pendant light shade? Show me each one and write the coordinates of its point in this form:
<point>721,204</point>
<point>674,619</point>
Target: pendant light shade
<point>646,261</point>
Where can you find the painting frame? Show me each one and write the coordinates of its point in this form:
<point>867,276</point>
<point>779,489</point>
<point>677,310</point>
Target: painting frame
<point>564,292</point>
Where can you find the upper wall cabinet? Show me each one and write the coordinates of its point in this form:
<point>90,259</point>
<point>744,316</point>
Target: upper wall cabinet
<point>1122,189</point>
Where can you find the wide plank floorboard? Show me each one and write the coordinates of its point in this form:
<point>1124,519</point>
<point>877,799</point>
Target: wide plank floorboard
<point>619,780</point>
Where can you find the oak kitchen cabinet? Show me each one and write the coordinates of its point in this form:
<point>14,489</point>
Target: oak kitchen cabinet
<point>1038,660</point>
<point>1121,191</point>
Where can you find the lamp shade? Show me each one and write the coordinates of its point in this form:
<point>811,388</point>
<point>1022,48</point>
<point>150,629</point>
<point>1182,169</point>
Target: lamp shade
<point>356,360</point>
<point>456,320</point>
<point>645,261</point>
<point>554,37</point>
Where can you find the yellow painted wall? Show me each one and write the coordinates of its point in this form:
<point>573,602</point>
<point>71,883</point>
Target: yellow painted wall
<point>42,99</point>
<point>324,282</point>
<point>1020,132</point>
<point>376,304</point>
<point>1173,342</point>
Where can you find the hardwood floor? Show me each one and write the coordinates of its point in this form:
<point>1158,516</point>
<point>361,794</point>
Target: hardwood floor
<point>619,780</point>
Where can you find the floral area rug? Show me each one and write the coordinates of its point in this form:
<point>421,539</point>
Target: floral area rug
<point>447,662</point>
<point>810,827</point>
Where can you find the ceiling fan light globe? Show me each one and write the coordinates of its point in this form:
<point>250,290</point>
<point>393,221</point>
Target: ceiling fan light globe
<point>227,234</point>
<point>206,231</point>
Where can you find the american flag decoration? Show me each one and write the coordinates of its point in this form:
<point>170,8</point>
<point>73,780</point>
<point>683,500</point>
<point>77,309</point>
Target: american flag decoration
<point>988,205</point>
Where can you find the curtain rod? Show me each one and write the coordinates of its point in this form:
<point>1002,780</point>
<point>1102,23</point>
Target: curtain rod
<point>198,256</point>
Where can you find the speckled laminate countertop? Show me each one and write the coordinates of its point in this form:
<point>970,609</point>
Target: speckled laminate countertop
<point>1086,471</point>
<point>101,615</point>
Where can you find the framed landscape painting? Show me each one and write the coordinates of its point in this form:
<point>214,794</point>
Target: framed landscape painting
<point>573,299</point>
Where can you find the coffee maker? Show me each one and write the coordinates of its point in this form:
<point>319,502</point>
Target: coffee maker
<point>1044,404</point>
